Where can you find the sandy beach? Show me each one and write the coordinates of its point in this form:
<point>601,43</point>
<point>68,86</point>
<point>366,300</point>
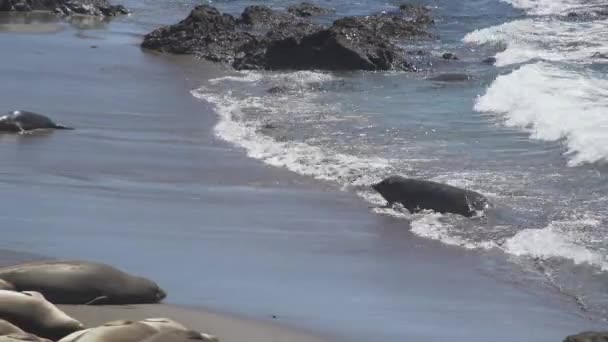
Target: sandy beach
<point>144,185</point>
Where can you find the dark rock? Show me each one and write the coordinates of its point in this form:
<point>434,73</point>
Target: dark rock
<point>449,56</point>
<point>588,336</point>
<point>65,7</point>
<point>489,60</point>
<point>600,55</point>
<point>276,90</point>
<point>280,40</point>
<point>454,77</point>
<point>306,9</point>
<point>417,14</point>
<point>264,17</point>
<point>349,44</point>
<point>205,32</point>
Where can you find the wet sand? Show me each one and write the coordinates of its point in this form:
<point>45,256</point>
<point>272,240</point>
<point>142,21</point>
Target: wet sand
<point>143,184</point>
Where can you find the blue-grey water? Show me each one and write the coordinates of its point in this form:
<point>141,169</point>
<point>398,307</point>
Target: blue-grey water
<point>257,203</point>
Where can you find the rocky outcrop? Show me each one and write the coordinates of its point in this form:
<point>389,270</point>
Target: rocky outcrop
<point>264,38</point>
<point>306,9</point>
<point>65,7</point>
<point>588,336</point>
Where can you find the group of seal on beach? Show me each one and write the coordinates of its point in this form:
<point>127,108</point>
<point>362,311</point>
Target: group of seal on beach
<point>29,292</point>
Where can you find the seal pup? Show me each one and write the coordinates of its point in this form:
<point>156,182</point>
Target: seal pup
<point>23,121</point>
<point>122,330</point>
<point>31,312</point>
<point>416,195</point>
<point>82,282</point>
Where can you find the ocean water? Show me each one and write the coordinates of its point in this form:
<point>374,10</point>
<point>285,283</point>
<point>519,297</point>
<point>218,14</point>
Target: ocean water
<point>530,132</point>
<point>239,200</point>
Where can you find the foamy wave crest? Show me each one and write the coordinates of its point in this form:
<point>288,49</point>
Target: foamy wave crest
<point>429,225</point>
<point>548,7</point>
<point>560,239</point>
<point>236,126</point>
<point>551,104</point>
<point>548,39</point>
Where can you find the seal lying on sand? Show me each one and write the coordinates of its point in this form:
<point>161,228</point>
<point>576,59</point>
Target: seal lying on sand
<point>181,336</point>
<point>4,285</point>
<point>22,121</point>
<point>80,282</point>
<point>31,312</point>
<point>125,331</point>
<point>156,329</point>
<point>7,328</point>
<point>416,195</point>
<point>22,337</point>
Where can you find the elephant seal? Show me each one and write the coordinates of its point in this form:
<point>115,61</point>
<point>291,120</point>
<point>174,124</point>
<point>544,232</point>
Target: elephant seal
<point>31,312</point>
<point>163,324</point>
<point>22,121</point>
<point>7,328</point>
<point>81,282</point>
<point>22,337</point>
<point>5,285</point>
<point>115,331</point>
<point>181,336</point>
<point>416,195</point>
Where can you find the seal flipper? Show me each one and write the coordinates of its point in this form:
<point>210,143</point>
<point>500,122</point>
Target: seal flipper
<point>57,126</point>
<point>21,130</point>
<point>98,300</point>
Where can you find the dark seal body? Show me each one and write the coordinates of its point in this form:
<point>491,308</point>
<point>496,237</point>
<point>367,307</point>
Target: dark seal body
<point>416,195</point>
<point>22,121</point>
<point>79,282</point>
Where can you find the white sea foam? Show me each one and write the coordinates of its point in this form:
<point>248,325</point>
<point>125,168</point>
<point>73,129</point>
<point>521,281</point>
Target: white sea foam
<point>551,104</point>
<point>316,161</point>
<point>561,239</point>
<point>547,7</point>
<point>548,39</point>
<point>356,171</point>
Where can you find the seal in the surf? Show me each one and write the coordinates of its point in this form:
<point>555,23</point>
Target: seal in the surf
<point>416,195</point>
<point>81,282</point>
<point>20,121</point>
<point>31,312</point>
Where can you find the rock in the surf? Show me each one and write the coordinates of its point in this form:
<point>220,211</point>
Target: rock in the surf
<point>416,195</point>
<point>81,282</point>
<point>451,77</point>
<point>31,312</point>
<point>264,38</point>
<point>65,7</point>
<point>448,56</point>
<point>588,336</point>
<point>306,9</point>
<point>259,16</point>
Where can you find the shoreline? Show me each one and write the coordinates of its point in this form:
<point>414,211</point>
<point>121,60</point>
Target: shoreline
<point>145,186</point>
